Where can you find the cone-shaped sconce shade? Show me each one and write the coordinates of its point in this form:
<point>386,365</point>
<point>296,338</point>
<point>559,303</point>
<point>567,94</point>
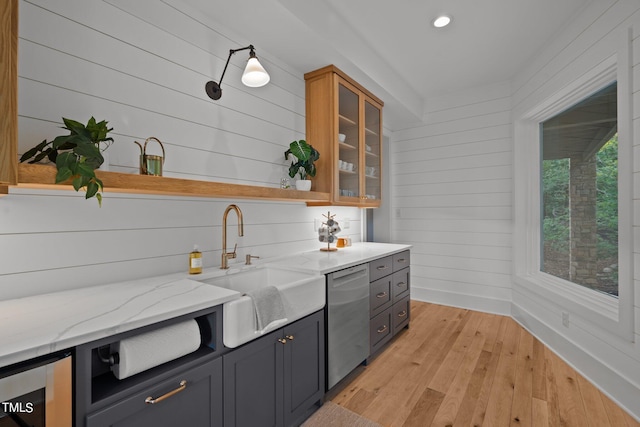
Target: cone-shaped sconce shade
<point>254,73</point>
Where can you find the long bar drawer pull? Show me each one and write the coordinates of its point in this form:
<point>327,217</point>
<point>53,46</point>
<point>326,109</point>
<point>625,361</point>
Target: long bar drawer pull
<point>403,313</point>
<point>150,400</point>
<point>382,267</point>
<point>381,295</point>
<point>382,329</point>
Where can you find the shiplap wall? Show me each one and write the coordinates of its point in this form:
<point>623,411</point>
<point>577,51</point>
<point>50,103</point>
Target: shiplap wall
<point>451,199</point>
<point>609,360</point>
<point>145,73</point>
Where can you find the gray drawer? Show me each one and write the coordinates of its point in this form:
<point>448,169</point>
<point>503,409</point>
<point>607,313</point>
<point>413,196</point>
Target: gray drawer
<point>380,267</point>
<point>380,332</point>
<point>401,260</point>
<point>400,312</point>
<point>400,284</point>
<point>379,296</point>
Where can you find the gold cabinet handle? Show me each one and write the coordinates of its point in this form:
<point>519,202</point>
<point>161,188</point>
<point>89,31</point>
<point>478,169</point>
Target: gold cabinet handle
<point>403,313</point>
<point>402,260</point>
<point>382,329</point>
<point>382,267</point>
<point>400,284</point>
<point>381,295</point>
<point>289,337</point>
<point>282,340</point>
<point>151,400</point>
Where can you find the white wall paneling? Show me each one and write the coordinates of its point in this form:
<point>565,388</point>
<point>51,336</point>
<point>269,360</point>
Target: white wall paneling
<point>451,197</point>
<point>50,249</point>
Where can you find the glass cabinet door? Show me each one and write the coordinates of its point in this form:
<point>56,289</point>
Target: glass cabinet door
<point>372,141</point>
<point>348,141</point>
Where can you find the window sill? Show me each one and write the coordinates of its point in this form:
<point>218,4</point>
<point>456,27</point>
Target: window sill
<point>597,308</point>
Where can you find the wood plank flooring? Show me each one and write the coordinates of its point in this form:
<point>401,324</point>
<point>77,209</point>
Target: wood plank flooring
<point>456,367</point>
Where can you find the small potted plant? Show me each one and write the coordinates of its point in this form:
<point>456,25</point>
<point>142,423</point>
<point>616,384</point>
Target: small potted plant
<point>76,155</point>
<point>304,157</point>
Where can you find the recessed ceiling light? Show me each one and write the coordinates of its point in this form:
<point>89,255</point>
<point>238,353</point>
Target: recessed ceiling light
<point>442,21</point>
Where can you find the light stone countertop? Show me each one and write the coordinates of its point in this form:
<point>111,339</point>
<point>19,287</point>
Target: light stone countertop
<point>328,262</point>
<point>42,324</point>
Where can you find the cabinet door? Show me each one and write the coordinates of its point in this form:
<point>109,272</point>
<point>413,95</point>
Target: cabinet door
<point>197,402</point>
<point>253,384</point>
<point>379,296</point>
<point>401,313</point>
<point>400,284</point>
<point>372,152</point>
<point>401,260</point>
<point>303,367</point>
<point>348,166</point>
<point>380,267</point>
<point>380,330</point>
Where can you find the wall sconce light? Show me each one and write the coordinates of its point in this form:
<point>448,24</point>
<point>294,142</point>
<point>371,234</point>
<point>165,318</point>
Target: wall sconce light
<point>254,74</point>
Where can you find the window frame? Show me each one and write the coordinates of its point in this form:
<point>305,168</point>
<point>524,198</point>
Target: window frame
<point>614,315</point>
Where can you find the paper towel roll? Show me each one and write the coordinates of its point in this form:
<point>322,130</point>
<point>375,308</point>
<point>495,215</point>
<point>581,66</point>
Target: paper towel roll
<point>144,351</point>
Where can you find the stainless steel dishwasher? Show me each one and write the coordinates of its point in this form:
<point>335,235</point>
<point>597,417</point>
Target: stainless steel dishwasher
<point>347,320</point>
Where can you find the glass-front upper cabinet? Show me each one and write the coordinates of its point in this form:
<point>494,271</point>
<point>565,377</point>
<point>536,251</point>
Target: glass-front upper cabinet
<point>344,123</point>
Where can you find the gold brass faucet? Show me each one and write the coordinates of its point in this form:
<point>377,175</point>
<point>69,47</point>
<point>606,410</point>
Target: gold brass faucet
<point>226,255</point>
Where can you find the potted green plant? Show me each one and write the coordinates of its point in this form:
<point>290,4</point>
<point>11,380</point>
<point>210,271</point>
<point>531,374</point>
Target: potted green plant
<point>303,163</point>
<point>76,155</point>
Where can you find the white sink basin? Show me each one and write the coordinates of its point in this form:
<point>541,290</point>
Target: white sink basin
<point>302,294</point>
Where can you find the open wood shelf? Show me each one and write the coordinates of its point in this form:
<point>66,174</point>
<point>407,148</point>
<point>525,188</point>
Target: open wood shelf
<point>43,176</point>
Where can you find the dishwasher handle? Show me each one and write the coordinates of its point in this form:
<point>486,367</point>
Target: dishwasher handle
<point>349,274</point>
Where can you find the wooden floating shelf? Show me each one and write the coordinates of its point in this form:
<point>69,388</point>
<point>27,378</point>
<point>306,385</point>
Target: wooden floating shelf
<point>43,176</point>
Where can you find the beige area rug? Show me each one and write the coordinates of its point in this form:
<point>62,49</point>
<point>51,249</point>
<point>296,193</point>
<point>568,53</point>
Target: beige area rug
<point>334,415</point>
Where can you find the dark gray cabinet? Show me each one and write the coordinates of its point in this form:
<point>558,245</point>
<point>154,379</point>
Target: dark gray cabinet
<point>191,398</point>
<point>389,296</point>
<point>187,390</point>
<point>278,379</point>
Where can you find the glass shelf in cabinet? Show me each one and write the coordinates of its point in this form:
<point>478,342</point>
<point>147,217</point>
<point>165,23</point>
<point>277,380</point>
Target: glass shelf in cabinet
<point>347,121</point>
<point>346,146</point>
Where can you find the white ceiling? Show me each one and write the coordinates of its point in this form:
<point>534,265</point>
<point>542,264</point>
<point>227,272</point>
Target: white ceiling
<point>391,47</point>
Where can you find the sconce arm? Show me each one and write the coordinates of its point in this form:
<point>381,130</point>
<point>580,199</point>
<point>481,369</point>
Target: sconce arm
<point>231,52</point>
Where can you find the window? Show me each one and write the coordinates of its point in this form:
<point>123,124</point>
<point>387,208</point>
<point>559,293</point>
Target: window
<point>549,149</point>
<point>579,193</point>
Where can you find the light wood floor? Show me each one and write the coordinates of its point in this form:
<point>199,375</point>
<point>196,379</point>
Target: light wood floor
<point>455,367</point>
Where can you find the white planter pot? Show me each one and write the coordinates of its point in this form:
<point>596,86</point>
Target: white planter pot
<point>303,184</point>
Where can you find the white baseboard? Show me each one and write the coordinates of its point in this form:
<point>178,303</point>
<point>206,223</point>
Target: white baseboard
<point>470,302</point>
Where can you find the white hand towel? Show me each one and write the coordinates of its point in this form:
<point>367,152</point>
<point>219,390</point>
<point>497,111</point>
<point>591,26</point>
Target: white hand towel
<point>268,306</point>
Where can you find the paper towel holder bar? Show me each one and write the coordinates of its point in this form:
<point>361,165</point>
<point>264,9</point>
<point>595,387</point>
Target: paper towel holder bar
<point>151,400</point>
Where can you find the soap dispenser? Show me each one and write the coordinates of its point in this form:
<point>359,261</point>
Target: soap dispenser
<point>195,261</point>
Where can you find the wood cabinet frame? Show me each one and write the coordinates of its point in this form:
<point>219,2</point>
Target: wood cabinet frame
<point>8,94</point>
